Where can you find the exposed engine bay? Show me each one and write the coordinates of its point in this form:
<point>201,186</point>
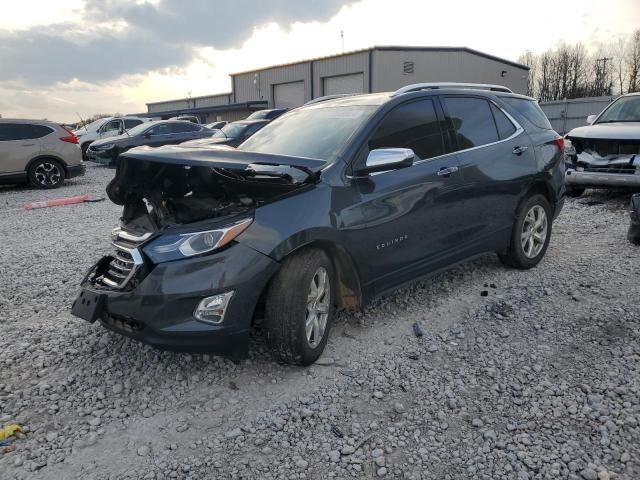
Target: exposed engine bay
<point>604,155</point>
<point>160,193</point>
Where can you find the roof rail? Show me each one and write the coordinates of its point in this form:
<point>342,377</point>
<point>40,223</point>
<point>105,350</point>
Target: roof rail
<point>330,97</point>
<point>416,87</point>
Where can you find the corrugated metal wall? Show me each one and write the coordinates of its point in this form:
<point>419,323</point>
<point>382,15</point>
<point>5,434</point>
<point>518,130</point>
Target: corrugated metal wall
<point>442,66</point>
<point>258,85</point>
<point>566,115</point>
<point>343,65</point>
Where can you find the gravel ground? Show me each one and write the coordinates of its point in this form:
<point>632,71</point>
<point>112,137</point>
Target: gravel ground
<point>518,375</point>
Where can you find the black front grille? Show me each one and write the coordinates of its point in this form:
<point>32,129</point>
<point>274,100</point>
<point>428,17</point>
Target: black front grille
<point>125,260</point>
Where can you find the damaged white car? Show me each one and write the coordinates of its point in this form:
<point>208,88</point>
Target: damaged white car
<point>605,153</point>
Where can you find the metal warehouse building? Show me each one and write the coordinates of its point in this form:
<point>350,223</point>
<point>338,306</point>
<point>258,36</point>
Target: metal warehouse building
<point>376,69</point>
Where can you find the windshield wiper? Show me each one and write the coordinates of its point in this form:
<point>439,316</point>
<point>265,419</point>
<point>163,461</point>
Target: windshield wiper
<point>619,121</point>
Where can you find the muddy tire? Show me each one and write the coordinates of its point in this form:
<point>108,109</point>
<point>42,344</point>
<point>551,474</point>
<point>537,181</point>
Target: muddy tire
<point>530,235</point>
<point>574,192</point>
<point>46,173</point>
<point>300,307</point>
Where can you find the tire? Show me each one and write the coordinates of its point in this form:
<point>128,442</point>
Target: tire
<point>84,147</point>
<point>287,308</point>
<point>46,173</point>
<point>525,253</point>
<point>574,192</point>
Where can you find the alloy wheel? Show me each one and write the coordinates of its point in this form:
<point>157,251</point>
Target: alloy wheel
<point>318,304</point>
<point>48,173</point>
<point>534,231</point>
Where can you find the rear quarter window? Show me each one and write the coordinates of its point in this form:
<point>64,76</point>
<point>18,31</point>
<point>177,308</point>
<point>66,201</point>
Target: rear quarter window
<point>40,131</point>
<point>530,110</point>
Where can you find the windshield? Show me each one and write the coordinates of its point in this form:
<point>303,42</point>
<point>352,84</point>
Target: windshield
<point>625,109</point>
<point>259,115</point>
<point>138,129</point>
<point>231,130</point>
<point>319,132</point>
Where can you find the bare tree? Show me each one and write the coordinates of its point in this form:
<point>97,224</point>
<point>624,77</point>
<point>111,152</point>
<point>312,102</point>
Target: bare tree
<point>529,59</point>
<point>632,60</point>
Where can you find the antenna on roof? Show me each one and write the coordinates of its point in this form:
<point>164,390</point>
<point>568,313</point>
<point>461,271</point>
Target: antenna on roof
<point>342,39</point>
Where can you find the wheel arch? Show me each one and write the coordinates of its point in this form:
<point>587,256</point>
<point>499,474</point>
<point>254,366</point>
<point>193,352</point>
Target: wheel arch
<point>64,165</point>
<point>544,189</point>
<point>349,291</point>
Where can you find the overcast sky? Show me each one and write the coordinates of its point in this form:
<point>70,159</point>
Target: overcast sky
<point>59,57</point>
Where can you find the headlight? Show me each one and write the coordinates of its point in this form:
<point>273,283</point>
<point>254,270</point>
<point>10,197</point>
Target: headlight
<point>108,146</point>
<point>175,246</point>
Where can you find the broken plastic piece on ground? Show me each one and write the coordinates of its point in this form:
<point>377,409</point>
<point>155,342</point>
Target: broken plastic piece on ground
<point>634,228</point>
<point>484,293</point>
<point>417,330</point>
<point>8,449</point>
<point>56,202</point>
<point>10,431</point>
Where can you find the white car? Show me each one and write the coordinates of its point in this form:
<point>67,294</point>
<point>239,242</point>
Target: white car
<point>606,152</point>
<point>105,127</point>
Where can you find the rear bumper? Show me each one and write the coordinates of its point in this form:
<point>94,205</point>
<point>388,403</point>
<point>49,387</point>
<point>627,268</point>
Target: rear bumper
<point>594,179</point>
<point>76,170</point>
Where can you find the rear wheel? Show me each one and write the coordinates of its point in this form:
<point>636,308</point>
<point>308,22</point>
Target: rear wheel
<point>300,307</point>
<point>531,234</point>
<point>46,173</point>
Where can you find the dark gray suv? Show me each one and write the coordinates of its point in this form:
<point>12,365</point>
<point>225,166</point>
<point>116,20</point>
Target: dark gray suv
<point>329,205</point>
<point>153,134</point>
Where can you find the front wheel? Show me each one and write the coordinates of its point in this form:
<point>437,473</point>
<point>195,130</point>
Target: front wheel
<point>46,173</point>
<point>530,235</point>
<point>300,307</point>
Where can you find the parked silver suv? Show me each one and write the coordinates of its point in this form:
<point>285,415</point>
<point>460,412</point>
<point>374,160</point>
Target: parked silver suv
<point>38,152</point>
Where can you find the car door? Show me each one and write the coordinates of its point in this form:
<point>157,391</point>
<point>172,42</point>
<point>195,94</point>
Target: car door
<point>181,132</point>
<point>110,129</point>
<point>410,215</point>
<point>496,160</point>
<point>17,147</point>
<point>158,135</point>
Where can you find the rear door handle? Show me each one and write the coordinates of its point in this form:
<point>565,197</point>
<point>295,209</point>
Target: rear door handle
<point>446,171</point>
<point>519,150</point>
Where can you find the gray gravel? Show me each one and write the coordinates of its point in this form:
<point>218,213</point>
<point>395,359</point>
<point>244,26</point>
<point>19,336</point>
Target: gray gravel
<point>538,379</point>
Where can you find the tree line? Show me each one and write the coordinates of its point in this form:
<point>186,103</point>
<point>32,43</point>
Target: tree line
<point>571,71</point>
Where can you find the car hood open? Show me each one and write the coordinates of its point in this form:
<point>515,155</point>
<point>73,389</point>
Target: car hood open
<point>176,185</point>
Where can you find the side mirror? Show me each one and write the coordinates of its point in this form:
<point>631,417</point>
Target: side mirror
<point>384,159</point>
<point>591,119</point>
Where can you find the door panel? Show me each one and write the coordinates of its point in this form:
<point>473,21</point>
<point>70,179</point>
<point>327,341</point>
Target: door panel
<point>16,147</point>
<point>494,175</point>
<point>408,219</point>
<point>411,221</point>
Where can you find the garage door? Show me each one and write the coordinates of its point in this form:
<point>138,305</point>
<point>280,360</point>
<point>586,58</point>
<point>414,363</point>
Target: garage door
<point>288,95</point>
<point>353,83</point>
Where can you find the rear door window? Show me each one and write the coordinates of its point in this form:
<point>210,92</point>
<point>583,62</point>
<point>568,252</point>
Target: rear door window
<point>412,125</point>
<point>472,121</point>
<point>505,127</point>
<point>15,131</point>
<point>184,128</point>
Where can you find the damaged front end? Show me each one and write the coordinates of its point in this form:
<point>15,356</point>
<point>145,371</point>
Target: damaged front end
<point>177,277</point>
<point>602,162</point>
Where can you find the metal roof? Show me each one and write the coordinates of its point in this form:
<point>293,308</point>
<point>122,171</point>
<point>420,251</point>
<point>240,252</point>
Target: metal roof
<point>256,104</point>
<point>390,48</point>
<point>226,94</point>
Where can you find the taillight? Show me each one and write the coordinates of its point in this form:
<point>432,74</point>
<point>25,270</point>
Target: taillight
<point>559,142</point>
<point>71,138</point>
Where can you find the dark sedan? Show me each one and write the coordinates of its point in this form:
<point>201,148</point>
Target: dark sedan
<point>153,134</point>
<point>232,134</point>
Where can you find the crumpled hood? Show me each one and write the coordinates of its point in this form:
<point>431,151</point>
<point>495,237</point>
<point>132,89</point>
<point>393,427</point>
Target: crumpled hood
<point>178,177</point>
<point>608,131</point>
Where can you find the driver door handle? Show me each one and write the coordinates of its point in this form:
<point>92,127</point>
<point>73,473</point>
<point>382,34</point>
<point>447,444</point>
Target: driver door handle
<point>519,150</point>
<point>446,171</point>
